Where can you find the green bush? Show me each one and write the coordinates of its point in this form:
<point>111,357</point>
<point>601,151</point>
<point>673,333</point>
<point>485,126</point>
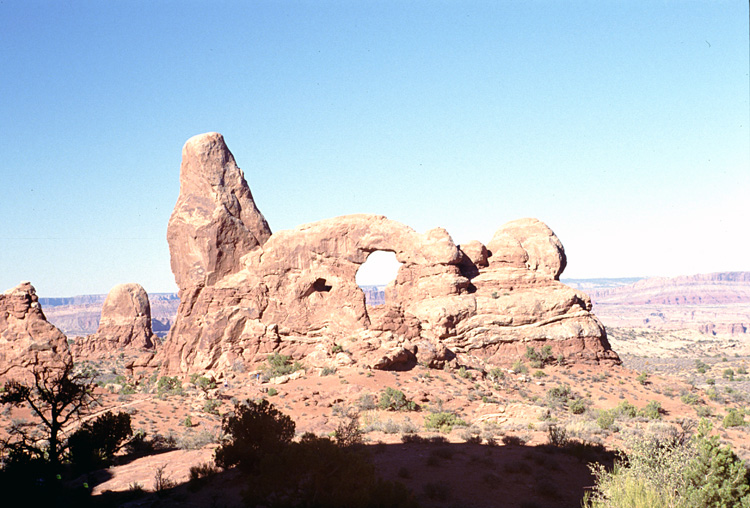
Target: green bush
<point>169,386</point>
<point>519,368</point>
<point>395,400</point>
<point>733,418</point>
<point>577,406</point>
<point>701,367</point>
<point>253,430</point>
<point>674,472</point>
<point>442,421</point>
<point>643,378</point>
<point>652,410</point>
<point>279,365</point>
<point>96,442</point>
<point>690,399</point>
<point>328,371</point>
<point>626,409</point>
<point>211,406</point>
<point>606,420</point>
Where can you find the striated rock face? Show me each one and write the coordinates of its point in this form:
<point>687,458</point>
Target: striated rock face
<point>27,340</point>
<point>704,289</point>
<point>125,323</point>
<point>246,293</point>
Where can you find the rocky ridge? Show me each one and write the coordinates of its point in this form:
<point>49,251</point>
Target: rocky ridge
<point>246,292</point>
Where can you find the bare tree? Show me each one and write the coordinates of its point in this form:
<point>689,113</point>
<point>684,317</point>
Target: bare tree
<point>57,397</point>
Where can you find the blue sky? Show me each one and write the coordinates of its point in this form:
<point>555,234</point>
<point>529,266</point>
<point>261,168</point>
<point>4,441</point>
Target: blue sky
<point>624,125</point>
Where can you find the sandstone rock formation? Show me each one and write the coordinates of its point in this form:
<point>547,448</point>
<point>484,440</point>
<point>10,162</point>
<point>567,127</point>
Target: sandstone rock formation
<point>246,292</point>
<point>27,340</point>
<point>215,221</point>
<point>125,323</point>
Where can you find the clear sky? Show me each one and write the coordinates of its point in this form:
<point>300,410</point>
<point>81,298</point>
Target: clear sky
<point>624,125</point>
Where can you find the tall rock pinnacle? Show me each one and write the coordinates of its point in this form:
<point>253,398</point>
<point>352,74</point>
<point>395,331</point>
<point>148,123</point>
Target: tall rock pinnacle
<point>215,221</point>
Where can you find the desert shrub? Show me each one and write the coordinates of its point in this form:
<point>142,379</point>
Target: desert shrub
<point>169,386</point>
<point>680,473</point>
<point>652,410</point>
<point>442,421</point>
<point>211,406</point>
<point>519,368</point>
<point>162,481</point>
<point>463,373</point>
<point>328,371</point>
<point>642,378</point>
<point>701,367</point>
<point>539,373</point>
<point>606,420</point>
<point>559,394</point>
<point>626,409</point>
<point>366,402</point>
<point>203,383</point>
<point>191,440</point>
<point>557,436</point>
<point>577,406</point>
<point>496,374</point>
<point>741,370</point>
<point>253,429</point>
<point>511,440</point>
<point>337,348</point>
<point>728,374</point>
<point>535,359</point>
<point>710,381</point>
<point>733,418</point>
<point>272,391</point>
<point>279,365</point>
<point>200,474</point>
<point>96,442</point>
<point>317,472</point>
<point>348,433</point>
<point>690,399</point>
<point>395,400</point>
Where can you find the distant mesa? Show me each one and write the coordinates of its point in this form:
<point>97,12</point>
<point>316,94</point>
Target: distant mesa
<point>712,303</point>
<point>246,292</point>
<point>719,288</point>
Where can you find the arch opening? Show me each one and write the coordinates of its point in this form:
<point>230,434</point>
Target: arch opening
<point>380,268</point>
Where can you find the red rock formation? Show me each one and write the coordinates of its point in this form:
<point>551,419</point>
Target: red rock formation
<point>246,293</point>
<point>125,324</point>
<point>27,340</point>
<point>215,221</point>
